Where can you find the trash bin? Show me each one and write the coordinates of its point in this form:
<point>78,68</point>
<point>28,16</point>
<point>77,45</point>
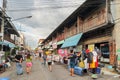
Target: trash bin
<point>5,78</point>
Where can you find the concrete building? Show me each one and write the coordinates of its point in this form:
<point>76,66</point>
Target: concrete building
<point>40,45</point>
<point>9,32</point>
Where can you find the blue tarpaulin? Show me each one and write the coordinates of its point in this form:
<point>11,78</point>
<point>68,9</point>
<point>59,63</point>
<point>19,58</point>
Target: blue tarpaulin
<point>72,41</point>
<point>5,78</point>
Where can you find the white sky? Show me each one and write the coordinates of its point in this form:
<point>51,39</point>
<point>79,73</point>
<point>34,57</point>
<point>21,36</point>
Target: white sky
<point>46,16</point>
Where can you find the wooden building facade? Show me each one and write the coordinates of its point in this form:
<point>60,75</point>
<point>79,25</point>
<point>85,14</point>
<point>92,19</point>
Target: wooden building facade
<point>93,19</point>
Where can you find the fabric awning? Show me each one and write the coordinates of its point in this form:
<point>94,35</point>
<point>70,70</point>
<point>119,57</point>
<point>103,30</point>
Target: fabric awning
<point>7,43</point>
<point>60,42</point>
<point>72,41</point>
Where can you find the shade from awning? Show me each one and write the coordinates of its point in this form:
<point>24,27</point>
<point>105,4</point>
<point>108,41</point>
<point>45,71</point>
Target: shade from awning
<point>72,41</point>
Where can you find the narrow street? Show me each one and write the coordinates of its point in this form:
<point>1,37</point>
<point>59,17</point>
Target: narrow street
<point>83,35</point>
<point>40,72</point>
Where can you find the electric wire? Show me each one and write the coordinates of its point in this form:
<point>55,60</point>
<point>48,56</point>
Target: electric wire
<point>46,3</point>
<point>47,7</point>
<point>39,8</point>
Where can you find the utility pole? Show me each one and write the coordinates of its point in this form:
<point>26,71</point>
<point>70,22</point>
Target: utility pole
<point>3,19</point>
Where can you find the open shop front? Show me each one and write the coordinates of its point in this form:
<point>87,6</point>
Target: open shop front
<point>103,46</point>
<point>104,50</point>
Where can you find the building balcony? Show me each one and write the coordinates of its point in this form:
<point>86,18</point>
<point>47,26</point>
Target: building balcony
<point>94,23</point>
<point>6,37</point>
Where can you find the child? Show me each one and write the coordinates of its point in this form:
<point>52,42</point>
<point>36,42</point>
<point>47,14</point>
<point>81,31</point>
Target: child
<point>28,63</point>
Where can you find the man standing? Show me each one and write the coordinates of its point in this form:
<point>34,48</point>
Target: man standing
<point>19,59</point>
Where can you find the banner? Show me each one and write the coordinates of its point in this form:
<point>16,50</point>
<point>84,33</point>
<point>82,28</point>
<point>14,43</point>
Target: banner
<point>91,47</point>
<point>62,52</point>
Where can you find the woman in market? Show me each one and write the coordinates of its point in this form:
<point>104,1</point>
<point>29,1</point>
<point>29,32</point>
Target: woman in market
<point>49,60</point>
<point>28,63</point>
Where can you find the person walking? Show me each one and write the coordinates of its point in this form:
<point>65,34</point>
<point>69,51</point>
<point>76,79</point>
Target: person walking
<point>36,55</point>
<point>18,60</point>
<point>28,63</point>
<point>44,59</point>
<point>49,60</point>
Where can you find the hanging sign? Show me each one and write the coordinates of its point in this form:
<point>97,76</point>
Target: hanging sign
<point>91,47</point>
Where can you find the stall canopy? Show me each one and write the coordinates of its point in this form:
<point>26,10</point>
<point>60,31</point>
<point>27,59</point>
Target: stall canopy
<point>72,41</point>
<point>60,42</point>
<point>7,43</point>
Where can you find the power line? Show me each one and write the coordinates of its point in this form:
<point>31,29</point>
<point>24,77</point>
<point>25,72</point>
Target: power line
<point>52,7</point>
<point>45,2</point>
<point>39,5</point>
<point>24,6</point>
<point>49,7</point>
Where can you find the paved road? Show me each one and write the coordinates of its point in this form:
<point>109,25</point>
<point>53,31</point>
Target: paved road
<point>40,72</point>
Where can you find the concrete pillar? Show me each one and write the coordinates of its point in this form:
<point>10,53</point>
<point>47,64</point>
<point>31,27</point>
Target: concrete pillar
<point>116,31</point>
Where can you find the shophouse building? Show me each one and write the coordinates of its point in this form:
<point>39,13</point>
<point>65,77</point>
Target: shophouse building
<point>91,25</point>
<point>10,33</point>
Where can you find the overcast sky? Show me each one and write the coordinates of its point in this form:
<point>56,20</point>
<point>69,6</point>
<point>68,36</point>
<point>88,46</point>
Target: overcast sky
<point>46,16</point>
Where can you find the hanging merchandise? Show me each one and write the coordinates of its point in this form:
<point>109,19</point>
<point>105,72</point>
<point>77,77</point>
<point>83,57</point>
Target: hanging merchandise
<point>86,64</point>
<point>90,57</point>
<point>81,63</point>
<point>94,63</point>
<point>48,52</point>
<point>62,52</point>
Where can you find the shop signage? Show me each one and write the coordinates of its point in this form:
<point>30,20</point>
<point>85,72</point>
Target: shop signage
<point>91,47</point>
